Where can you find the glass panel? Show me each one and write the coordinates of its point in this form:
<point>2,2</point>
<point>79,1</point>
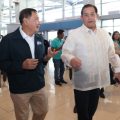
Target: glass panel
<point>108,1</point>
<point>34,3</point>
<point>99,23</point>
<point>6,3</point>
<point>78,9</point>
<point>53,15</point>
<point>116,22</point>
<point>68,11</point>
<point>53,4</point>
<point>99,9</point>
<point>117,28</point>
<point>113,6</point>
<point>53,10</point>
<point>40,15</point>
<point>97,1</point>
<point>52,35</point>
<point>106,23</point>
<point>108,29</point>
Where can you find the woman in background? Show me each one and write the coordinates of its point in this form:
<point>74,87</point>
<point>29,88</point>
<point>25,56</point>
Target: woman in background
<point>116,39</point>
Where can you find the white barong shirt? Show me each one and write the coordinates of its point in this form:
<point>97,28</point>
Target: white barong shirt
<point>96,50</point>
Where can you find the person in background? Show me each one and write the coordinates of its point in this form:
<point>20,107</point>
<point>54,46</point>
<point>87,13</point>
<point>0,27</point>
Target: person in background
<point>22,57</point>
<point>83,50</point>
<point>116,39</point>
<point>57,44</point>
<point>47,45</point>
<point>3,75</point>
<point>0,70</point>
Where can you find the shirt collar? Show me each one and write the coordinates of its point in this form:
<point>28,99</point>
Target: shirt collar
<point>89,30</point>
<point>24,35</point>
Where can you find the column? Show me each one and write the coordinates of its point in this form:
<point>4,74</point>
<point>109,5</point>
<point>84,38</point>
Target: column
<point>17,6</point>
<point>43,11</point>
<point>63,9</point>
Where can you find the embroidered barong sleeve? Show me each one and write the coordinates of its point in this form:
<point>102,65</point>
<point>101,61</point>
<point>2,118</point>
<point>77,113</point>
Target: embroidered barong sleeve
<point>68,50</point>
<point>113,57</point>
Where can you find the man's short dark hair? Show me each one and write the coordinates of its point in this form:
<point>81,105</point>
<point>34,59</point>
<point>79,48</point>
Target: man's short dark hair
<point>60,31</point>
<point>25,13</point>
<point>89,5</point>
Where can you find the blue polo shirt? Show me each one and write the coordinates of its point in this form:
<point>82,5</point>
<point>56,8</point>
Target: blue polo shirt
<point>56,43</point>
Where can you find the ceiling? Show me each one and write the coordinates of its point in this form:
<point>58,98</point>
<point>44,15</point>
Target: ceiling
<point>8,7</point>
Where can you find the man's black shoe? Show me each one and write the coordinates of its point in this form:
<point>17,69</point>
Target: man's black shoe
<point>58,83</point>
<point>75,109</point>
<point>102,95</point>
<point>63,81</point>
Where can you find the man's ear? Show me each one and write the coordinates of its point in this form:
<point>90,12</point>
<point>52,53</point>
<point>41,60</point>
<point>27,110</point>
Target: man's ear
<point>25,20</point>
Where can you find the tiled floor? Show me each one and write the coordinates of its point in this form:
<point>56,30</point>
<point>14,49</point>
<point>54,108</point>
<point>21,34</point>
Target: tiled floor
<point>61,101</point>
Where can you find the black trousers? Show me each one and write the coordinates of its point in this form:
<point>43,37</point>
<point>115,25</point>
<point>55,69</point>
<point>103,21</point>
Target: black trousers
<point>112,81</point>
<point>70,73</point>
<point>86,103</point>
<point>59,70</point>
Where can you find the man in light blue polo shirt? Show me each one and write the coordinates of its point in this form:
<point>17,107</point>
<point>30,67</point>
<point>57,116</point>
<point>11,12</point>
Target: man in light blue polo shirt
<point>56,44</point>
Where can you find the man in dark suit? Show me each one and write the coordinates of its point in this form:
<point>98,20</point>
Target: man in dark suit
<point>22,57</point>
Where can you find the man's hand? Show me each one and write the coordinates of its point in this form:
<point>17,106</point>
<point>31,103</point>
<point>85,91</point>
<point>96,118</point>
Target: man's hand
<point>30,64</point>
<point>50,54</point>
<point>75,63</point>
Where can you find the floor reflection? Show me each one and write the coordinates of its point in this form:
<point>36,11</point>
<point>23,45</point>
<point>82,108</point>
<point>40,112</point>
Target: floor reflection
<point>61,101</point>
